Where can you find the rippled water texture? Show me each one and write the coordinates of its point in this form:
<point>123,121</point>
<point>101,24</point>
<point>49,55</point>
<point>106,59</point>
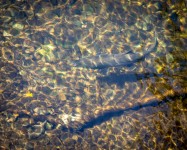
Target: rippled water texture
<point>55,92</point>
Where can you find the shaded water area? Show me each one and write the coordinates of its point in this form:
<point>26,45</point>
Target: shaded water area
<point>65,85</point>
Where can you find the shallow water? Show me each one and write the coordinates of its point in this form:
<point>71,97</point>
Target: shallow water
<point>47,103</point>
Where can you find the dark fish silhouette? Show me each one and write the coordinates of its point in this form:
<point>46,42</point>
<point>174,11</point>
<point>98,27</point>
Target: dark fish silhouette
<point>105,116</point>
<point>113,60</point>
<point>37,131</point>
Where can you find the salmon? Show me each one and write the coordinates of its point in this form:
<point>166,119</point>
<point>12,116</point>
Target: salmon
<point>114,60</point>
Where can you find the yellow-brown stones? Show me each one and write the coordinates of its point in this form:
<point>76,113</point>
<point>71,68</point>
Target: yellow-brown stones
<point>62,96</point>
<point>46,103</point>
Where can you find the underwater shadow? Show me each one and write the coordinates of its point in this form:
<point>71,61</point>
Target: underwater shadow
<point>116,113</point>
<point>120,79</point>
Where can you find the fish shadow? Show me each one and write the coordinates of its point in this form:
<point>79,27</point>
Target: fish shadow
<point>106,116</point>
<point>120,79</point>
